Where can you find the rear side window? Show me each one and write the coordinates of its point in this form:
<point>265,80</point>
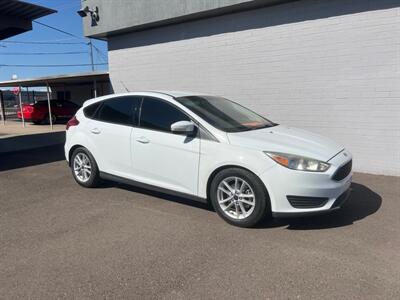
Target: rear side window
<point>90,110</point>
<point>119,110</point>
<point>160,115</point>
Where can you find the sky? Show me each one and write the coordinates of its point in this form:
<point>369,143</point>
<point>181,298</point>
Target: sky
<point>65,19</point>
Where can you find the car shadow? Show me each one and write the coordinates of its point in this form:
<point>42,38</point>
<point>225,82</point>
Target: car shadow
<point>164,196</point>
<point>361,203</point>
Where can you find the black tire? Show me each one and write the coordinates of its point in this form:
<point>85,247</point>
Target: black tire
<point>94,178</point>
<point>261,199</point>
<point>47,119</point>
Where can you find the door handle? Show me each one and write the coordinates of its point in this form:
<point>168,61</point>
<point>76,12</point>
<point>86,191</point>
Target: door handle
<point>95,131</point>
<point>143,140</point>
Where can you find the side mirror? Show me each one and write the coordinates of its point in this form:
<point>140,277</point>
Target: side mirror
<point>183,127</point>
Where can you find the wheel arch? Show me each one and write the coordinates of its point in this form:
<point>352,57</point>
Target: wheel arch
<point>231,166</point>
<point>73,148</point>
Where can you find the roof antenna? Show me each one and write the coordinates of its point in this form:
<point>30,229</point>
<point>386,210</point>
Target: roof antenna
<point>125,87</point>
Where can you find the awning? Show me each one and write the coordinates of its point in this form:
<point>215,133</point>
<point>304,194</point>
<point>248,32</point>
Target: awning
<point>16,16</point>
<point>77,79</point>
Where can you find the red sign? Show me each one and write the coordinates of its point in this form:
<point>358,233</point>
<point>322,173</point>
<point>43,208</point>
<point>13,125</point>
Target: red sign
<point>16,90</point>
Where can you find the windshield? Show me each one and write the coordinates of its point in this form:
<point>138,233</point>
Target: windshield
<point>224,114</point>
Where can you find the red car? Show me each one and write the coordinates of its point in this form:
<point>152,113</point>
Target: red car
<point>38,112</point>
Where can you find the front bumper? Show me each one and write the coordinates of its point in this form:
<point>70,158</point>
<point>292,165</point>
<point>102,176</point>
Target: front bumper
<point>282,182</point>
<point>337,204</point>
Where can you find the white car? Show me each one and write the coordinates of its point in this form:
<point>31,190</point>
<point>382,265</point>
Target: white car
<point>210,149</point>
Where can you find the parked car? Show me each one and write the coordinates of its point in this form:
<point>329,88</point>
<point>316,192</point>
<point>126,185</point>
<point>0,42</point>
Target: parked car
<point>210,149</point>
<point>38,112</point>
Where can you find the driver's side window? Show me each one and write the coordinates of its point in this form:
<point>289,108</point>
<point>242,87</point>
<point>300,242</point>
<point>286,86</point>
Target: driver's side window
<point>159,115</point>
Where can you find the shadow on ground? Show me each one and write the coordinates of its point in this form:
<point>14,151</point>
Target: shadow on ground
<point>164,196</point>
<point>31,157</point>
<point>361,203</point>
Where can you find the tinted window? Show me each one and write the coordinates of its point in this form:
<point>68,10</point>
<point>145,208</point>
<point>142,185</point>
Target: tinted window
<point>90,110</point>
<point>159,115</point>
<point>224,114</point>
<point>119,110</point>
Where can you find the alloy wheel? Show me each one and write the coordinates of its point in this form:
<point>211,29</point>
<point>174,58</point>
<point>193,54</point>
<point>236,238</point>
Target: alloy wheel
<point>236,198</point>
<point>82,167</point>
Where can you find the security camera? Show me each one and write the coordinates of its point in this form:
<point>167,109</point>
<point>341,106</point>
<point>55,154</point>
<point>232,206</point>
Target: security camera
<point>94,13</point>
<point>83,12</point>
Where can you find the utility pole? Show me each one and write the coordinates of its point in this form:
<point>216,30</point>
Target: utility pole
<point>91,53</point>
<point>2,110</point>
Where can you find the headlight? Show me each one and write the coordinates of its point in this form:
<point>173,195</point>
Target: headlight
<point>299,163</point>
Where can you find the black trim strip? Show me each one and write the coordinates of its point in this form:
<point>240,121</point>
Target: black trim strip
<point>111,177</point>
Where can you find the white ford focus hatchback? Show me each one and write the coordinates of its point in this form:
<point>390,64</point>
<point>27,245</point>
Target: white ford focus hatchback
<point>210,149</point>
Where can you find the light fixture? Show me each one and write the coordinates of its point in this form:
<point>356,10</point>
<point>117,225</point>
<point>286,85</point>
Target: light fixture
<point>94,13</point>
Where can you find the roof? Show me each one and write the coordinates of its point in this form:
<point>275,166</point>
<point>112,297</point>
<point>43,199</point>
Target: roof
<point>118,17</point>
<point>16,17</point>
<point>23,10</point>
<point>152,93</point>
<point>178,93</point>
<point>79,78</point>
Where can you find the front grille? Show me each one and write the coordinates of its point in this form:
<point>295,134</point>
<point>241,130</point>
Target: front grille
<point>343,171</point>
<point>307,202</point>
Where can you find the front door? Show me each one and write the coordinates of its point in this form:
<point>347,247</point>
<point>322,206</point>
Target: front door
<point>160,157</point>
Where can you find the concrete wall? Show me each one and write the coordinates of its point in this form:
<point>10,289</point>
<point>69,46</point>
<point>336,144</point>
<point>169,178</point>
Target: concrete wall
<point>120,15</point>
<point>327,66</point>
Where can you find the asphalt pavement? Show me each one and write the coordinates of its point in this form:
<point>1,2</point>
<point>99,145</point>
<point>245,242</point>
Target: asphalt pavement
<point>61,241</point>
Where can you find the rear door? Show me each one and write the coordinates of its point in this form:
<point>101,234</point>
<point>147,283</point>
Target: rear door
<point>110,131</point>
<point>160,157</point>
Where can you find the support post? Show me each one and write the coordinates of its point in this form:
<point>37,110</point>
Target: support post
<point>27,93</point>
<point>20,106</point>
<point>49,105</point>
<point>95,88</point>
<point>3,112</point>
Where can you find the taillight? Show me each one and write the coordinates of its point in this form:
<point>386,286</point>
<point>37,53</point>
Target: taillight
<point>27,108</point>
<point>72,122</point>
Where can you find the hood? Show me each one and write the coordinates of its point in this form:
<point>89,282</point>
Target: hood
<point>287,140</point>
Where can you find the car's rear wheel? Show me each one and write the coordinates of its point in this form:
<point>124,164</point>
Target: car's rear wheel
<point>47,119</point>
<point>84,168</point>
<point>239,197</point>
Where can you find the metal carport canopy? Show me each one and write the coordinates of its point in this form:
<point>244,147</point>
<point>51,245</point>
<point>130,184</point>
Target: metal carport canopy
<point>81,78</point>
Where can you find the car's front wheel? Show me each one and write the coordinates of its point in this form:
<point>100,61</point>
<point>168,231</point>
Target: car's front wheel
<point>239,197</point>
<point>84,168</point>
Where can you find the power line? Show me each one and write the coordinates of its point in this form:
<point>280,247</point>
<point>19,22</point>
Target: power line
<point>49,66</point>
<point>44,53</point>
<point>59,30</point>
<point>101,54</point>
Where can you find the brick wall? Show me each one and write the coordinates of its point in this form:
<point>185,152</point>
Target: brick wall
<point>332,67</point>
